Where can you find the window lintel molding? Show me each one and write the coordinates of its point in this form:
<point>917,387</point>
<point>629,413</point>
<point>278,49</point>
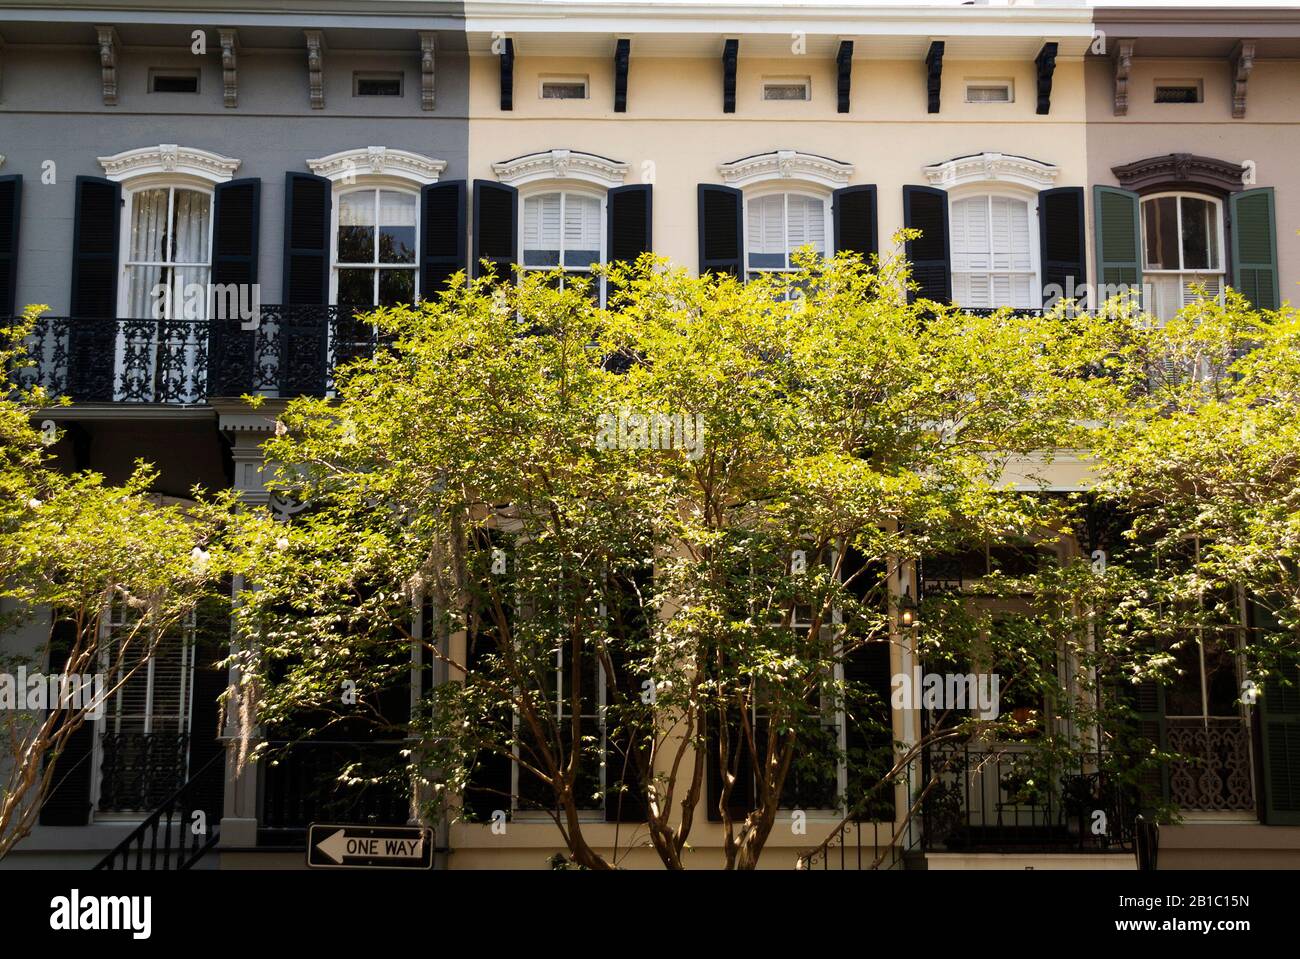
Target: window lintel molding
<point>169,159</point>
<point>786,165</point>
<point>992,168</point>
<point>1175,170</point>
<point>346,165</point>
<point>561,165</point>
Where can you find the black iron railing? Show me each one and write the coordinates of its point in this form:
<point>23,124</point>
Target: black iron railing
<point>185,825</point>
<point>140,770</point>
<point>1006,798</point>
<point>350,782</point>
<point>282,351</point>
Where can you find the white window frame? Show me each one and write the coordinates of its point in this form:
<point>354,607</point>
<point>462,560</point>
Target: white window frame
<point>786,189</point>
<point>374,185</point>
<point>1214,202</point>
<point>1183,276</point>
<point>126,264</point>
<point>109,620</point>
<point>989,190</point>
<point>565,189</point>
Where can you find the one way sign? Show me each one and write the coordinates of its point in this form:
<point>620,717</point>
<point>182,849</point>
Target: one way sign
<point>369,847</point>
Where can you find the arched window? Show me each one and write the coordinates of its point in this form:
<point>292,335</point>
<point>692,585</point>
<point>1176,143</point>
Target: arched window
<point>376,247</point>
<point>1182,247</point>
<point>779,223</point>
<point>564,230</point>
<point>995,251</point>
<point>169,251</point>
<point>375,244</point>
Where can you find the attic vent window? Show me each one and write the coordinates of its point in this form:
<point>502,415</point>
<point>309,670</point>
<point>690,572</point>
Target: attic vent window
<point>173,81</point>
<point>787,88</point>
<point>564,88</point>
<point>1178,91</point>
<point>376,84</point>
<point>990,91</point>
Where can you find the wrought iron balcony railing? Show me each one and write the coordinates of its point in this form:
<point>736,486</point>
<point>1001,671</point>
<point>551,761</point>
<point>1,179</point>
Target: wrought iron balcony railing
<point>284,351</point>
<point>991,798</point>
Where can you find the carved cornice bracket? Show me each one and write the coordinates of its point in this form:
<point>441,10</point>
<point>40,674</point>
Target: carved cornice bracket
<point>844,76</point>
<point>933,75</point>
<point>1046,63</point>
<point>106,38</point>
<point>1243,61</point>
<point>428,49</point>
<point>1123,64</point>
<point>229,68</point>
<point>622,59</point>
<point>316,67</point>
<point>730,57</point>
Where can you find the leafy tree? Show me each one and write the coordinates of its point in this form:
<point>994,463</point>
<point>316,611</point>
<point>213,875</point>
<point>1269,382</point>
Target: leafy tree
<point>72,547</point>
<point>505,456</point>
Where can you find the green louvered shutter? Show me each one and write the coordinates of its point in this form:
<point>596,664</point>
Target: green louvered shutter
<point>1280,725</point>
<point>1254,247</point>
<point>1119,237</point>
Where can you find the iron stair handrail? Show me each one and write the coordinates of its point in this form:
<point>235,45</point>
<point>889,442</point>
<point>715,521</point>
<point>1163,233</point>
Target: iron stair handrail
<point>185,854</point>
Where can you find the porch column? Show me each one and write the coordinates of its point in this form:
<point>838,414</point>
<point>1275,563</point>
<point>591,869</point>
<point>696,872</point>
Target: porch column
<point>246,430</point>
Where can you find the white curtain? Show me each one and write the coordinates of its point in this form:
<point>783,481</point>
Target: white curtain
<point>148,246</point>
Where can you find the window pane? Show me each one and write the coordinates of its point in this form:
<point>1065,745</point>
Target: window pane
<point>356,242</point>
<point>141,281</point>
<point>542,230</point>
<point>766,239</point>
<point>581,230</point>
<point>190,227</point>
<point>807,226</point>
<point>1160,226</point>
<point>396,227</point>
<point>356,288</point>
<point>396,286</point>
<point>149,226</point>
<point>1200,234</point>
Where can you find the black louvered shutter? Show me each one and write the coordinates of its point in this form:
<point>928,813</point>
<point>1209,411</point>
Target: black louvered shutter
<point>630,222</point>
<point>236,220</point>
<point>304,334</point>
<point>490,783</point>
<point>68,801</point>
<point>722,248</point>
<point>868,731</point>
<point>1062,242</point>
<point>306,239</point>
<point>93,302</point>
<point>443,235</point>
<point>854,210</point>
<point>926,209</point>
<point>626,749</point>
<point>211,646</point>
<point>496,227</point>
<point>11,196</point>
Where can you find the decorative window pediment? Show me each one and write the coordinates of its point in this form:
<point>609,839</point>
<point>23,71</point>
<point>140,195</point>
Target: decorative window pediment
<point>561,165</point>
<point>1180,169</point>
<point>169,159</point>
<point>346,165</point>
<point>992,167</point>
<point>786,165</point>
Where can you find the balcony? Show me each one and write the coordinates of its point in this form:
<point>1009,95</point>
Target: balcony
<point>285,351</point>
<point>989,798</point>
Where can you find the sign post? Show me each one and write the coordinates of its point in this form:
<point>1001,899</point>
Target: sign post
<point>369,847</point>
